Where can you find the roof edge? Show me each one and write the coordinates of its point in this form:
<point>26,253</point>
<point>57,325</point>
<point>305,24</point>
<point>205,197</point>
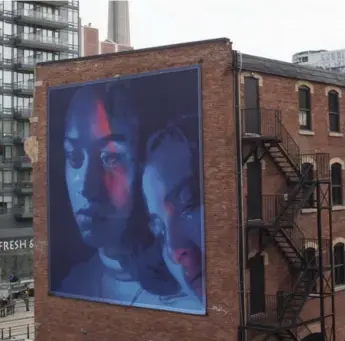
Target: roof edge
<point>284,69</point>
<point>147,49</point>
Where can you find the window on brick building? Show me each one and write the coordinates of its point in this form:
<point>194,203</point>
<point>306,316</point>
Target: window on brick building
<point>304,108</point>
<point>337,188</point>
<point>307,171</point>
<point>333,111</point>
<point>339,264</point>
<point>310,258</point>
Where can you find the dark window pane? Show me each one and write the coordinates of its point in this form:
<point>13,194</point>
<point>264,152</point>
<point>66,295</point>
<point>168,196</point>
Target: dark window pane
<point>337,191</point>
<point>304,98</point>
<point>333,102</point>
<point>304,108</point>
<point>339,266</point>
<point>334,122</point>
<point>337,198</point>
<point>308,172</point>
<point>336,174</point>
<point>310,257</point>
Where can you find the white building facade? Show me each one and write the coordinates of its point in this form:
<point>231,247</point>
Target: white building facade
<point>328,60</point>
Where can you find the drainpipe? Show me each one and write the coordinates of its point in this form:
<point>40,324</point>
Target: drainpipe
<point>239,190</point>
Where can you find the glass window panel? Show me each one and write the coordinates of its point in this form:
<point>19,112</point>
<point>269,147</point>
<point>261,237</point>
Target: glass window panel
<point>8,152</point>
<point>7,128</point>
<point>7,101</point>
<point>7,176</point>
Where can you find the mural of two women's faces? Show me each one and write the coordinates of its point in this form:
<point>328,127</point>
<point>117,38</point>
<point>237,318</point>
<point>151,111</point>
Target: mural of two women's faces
<point>125,191</point>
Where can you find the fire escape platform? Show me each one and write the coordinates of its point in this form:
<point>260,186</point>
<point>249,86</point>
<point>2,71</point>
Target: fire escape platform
<point>277,215</point>
<point>260,138</point>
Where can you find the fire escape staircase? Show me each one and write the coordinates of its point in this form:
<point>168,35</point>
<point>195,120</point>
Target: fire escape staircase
<point>284,232</point>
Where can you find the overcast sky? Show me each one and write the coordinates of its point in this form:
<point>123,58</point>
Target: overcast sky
<point>269,28</point>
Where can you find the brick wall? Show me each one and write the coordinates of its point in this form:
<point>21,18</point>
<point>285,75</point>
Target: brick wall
<point>107,47</point>
<point>73,320</point>
<point>90,44</point>
<point>282,93</point>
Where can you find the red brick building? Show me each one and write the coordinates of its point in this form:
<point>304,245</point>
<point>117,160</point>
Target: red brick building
<point>90,43</point>
<point>274,202</point>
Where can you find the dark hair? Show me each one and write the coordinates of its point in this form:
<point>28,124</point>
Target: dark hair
<point>144,258</point>
<point>178,132</point>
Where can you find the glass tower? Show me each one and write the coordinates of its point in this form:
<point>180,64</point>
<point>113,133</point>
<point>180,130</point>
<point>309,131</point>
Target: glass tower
<point>30,32</point>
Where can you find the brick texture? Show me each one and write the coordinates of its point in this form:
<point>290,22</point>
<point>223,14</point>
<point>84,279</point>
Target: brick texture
<point>107,47</point>
<point>281,93</point>
<point>90,41</point>
<point>76,320</point>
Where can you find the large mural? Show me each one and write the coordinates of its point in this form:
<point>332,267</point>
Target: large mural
<point>125,191</point>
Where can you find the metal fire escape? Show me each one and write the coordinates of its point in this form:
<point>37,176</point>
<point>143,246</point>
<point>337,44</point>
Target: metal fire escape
<point>308,184</point>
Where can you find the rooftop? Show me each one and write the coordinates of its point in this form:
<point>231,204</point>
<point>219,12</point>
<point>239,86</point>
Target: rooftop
<point>283,69</point>
<point>247,62</point>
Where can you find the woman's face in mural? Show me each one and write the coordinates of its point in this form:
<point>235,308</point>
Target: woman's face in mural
<point>99,170</point>
<point>167,189</point>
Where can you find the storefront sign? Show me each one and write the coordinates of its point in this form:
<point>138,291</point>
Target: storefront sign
<point>8,245</point>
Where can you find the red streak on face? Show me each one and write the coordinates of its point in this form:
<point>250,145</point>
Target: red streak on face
<point>169,208</point>
<point>101,127</point>
<point>116,182</point>
<point>117,187</point>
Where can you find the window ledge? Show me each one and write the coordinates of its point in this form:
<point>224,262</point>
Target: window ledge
<point>313,295</point>
<point>335,134</point>
<point>338,208</point>
<point>306,132</point>
<point>339,288</point>
<point>308,210</point>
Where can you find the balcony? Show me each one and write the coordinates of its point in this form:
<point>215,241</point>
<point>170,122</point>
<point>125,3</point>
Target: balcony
<point>19,137</point>
<point>24,88</point>
<point>22,162</point>
<point>5,162</point>
<point>23,212</point>
<point>6,63</point>
<point>6,138</point>
<point>269,311</point>
<point>23,187</point>
<point>5,38</point>
<point>38,18</point>
<point>6,187</point>
<point>22,113</point>
<point>24,64</point>
<point>57,3</point>
<point>4,13</point>
<point>6,113</point>
<point>6,88</point>
<point>40,42</point>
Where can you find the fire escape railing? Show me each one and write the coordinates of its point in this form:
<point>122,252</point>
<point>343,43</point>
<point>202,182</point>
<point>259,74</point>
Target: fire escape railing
<point>279,213</point>
<point>288,143</point>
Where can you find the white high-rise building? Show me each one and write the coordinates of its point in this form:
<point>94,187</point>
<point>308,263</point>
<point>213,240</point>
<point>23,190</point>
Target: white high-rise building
<point>328,60</point>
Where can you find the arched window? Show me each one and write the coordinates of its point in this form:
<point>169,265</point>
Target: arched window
<point>337,188</point>
<point>307,170</point>
<point>333,111</point>
<point>310,258</point>
<point>304,108</point>
<point>339,264</point>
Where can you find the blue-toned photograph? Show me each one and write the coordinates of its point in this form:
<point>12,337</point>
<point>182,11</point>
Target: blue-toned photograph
<point>125,191</point>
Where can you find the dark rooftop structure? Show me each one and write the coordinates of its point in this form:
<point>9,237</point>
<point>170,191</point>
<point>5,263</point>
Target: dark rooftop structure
<point>289,70</point>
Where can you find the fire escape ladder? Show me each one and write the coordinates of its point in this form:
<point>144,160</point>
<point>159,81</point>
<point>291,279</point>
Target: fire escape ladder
<point>286,153</point>
<point>294,302</point>
<point>286,214</point>
<point>289,248</point>
<point>283,161</point>
<point>286,335</point>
